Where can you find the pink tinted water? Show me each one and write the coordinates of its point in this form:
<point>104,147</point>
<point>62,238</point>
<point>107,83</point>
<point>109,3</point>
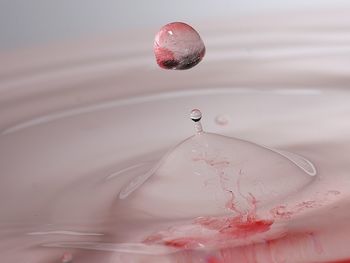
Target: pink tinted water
<point>62,174</point>
<point>211,198</point>
<point>178,46</point>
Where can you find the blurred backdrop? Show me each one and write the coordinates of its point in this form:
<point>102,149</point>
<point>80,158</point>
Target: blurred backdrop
<point>40,22</point>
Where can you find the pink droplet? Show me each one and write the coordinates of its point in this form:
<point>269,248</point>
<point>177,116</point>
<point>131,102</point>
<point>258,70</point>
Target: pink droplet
<point>178,46</point>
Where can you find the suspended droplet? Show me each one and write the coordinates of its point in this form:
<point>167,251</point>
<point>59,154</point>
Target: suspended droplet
<point>178,46</point>
<point>196,116</point>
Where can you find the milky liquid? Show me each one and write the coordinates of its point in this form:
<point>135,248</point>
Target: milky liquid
<point>209,199</point>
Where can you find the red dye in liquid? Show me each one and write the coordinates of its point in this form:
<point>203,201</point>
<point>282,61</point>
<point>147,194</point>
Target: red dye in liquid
<point>236,227</point>
<point>222,228</point>
<point>243,236</point>
<point>184,242</point>
<point>213,260</point>
<point>281,212</point>
<point>178,46</point>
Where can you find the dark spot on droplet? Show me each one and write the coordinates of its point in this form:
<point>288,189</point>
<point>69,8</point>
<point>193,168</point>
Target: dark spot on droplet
<point>190,61</point>
<point>170,64</point>
<point>196,120</point>
<point>189,64</point>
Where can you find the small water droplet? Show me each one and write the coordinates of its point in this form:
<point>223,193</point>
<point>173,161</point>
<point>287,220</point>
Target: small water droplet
<point>196,116</point>
<point>178,46</point>
<point>222,119</point>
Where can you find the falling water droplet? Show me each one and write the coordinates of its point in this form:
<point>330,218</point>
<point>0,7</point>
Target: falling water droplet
<point>178,46</point>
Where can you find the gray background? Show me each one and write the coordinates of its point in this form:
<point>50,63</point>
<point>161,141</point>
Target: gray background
<point>26,23</point>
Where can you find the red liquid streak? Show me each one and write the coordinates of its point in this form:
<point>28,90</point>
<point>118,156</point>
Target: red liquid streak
<point>184,242</point>
<point>239,227</point>
<point>244,225</point>
<point>223,230</point>
<point>282,212</point>
<point>230,203</point>
<point>236,227</point>
<point>213,260</point>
